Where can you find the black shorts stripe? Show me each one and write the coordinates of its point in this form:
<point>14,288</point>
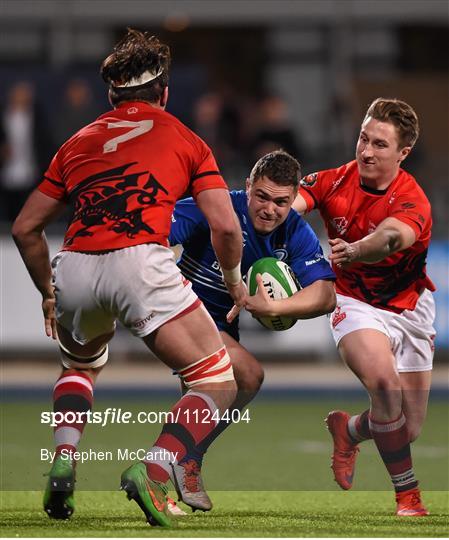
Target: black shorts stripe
<point>397,456</point>
<point>71,402</point>
<point>205,173</point>
<point>182,434</point>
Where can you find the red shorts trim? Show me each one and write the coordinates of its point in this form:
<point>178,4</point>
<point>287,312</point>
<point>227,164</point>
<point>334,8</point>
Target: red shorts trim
<point>192,307</point>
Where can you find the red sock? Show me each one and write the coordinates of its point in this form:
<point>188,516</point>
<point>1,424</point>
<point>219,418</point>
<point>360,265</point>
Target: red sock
<point>72,394</point>
<point>358,427</point>
<point>392,441</point>
<point>191,421</point>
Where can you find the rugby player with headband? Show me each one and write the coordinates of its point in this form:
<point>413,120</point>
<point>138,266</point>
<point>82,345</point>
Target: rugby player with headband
<point>123,174</point>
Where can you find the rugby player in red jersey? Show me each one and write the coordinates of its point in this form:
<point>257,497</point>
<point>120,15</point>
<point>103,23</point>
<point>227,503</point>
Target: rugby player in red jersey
<point>123,174</point>
<point>379,222</point>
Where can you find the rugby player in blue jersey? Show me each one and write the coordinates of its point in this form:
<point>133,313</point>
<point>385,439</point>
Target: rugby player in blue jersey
<point>270,228</point>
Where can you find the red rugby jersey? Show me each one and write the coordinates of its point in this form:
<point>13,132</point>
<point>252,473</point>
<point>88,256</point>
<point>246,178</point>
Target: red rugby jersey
<point>124,173</point>
<point>351,211</point>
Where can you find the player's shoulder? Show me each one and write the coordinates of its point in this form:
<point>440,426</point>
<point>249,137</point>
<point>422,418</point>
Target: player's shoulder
<point>137,111</point>
<point>295,220</point>
<point>78,140</point>
<point>187,211</point>
<point>187,202</point>
<point>93,131</point>
<point>332,175</point>
<point>183,131</point>
<point>239,200</point>
<point>296,229</point>
<point>408,185</point>
<point>172,120</point>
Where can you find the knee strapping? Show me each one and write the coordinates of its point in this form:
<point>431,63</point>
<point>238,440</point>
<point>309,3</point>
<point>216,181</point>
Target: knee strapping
<point>215,368</point>
<point>70,360</point>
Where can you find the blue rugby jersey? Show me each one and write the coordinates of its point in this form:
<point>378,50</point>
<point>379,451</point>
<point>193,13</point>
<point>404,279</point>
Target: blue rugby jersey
<point>293,242</point>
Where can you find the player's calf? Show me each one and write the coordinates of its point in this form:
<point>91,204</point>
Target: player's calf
<point>392,441</point>
<point>249,377</point>
<point>191,420</point>
<point>72,398</point>
<point>358,427</point>
<point>196,414</point>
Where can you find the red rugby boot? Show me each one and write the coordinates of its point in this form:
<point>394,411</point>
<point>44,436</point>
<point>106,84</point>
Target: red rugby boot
<point>409,503</point>
<point>345,451</point>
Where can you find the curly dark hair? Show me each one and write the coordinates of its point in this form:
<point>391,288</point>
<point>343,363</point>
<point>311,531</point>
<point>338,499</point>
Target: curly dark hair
<point>280,167</point>
<point>134,54</point>
<point>398,113</point>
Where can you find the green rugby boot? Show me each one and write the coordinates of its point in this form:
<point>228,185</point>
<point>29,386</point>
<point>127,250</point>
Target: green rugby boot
<point>58,496</point>
<point>149,495</point>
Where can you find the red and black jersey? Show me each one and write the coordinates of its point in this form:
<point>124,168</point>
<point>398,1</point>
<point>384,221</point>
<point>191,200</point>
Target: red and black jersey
<point>351,211</point>
<point>124,173</point>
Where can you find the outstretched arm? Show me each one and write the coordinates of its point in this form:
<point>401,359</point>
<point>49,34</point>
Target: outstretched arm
<point>29,236</point>
<point>226,238</point>
<point>390,236</point>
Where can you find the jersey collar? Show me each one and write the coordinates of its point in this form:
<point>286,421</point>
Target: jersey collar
<point>140,105</point>
<point>379,192</point>
<point>373,191</point>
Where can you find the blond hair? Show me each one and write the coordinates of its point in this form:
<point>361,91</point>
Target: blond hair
<point>398,113</point>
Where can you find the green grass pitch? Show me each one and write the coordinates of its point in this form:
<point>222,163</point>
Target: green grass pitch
<point>269,477</point>
<point>269,514</point>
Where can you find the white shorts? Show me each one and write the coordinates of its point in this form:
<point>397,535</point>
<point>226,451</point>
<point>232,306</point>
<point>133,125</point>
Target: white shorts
<point>141,286</point>
<point>411,333</point>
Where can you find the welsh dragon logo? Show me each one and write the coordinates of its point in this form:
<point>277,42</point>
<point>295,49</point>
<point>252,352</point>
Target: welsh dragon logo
<point>114,199</point>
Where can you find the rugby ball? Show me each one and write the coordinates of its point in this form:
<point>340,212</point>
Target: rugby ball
<point>279,281</point>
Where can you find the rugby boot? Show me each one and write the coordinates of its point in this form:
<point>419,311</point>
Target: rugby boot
<point>345,451</point>
<point>408,503</point>
<point>58,496</point>
<point>174,509</point>
<point>151,496</point>
<point>189,485</point>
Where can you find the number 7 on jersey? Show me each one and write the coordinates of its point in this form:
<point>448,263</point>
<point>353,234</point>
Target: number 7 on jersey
<point>137,128</point>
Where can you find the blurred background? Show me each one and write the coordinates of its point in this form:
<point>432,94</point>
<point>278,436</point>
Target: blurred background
<point>249,77</point>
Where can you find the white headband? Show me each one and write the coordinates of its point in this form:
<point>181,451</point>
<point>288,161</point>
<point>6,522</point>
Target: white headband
<point>146,77</point>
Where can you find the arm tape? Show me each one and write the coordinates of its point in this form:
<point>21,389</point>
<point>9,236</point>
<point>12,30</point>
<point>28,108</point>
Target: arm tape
<point>233,276</point>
